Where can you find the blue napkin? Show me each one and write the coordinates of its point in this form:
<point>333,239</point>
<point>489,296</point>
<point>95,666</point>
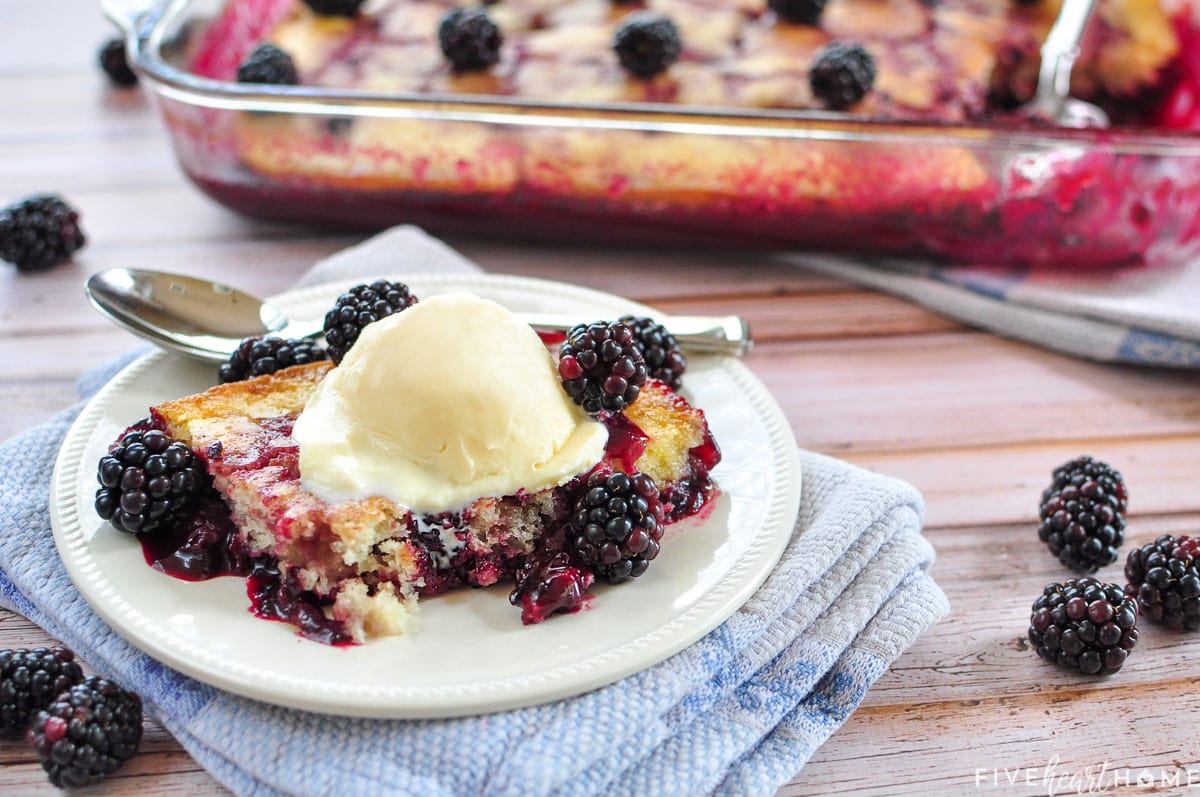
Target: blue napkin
<point>738,712</point>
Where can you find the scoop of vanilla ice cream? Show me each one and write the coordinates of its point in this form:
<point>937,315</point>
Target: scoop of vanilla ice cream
<point>451,400</point>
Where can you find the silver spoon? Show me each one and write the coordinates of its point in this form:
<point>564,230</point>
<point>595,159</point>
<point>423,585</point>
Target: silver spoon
<point>1053,101</point>
<point>207,320</point>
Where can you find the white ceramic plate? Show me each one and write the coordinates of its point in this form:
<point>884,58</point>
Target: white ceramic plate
<point>467,652</point>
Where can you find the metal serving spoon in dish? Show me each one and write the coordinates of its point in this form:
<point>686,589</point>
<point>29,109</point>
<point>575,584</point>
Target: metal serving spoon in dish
<point>207,320</point>
<point>1053,101</point>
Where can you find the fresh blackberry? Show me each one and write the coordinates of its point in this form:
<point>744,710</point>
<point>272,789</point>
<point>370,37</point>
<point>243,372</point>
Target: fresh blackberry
<point>1164,576</point>
<point>268,64</point>
<point>39,232</point>
<point>146,481</point>
<point>29,680</point>
<point>647,43</point>
<point>801,12</point>
<point>359,306</point>
<point>1084,624</point>
<point>664,358</point>
<point>1083,514</point>
<point>549,583</point>
<point>842,74</point>
<point>115,65</point>
<point>88,732</point>
<point>617,525</point>
<point>335,8</point>
<point>258,356</point>
<point>469,39</point>
<point>602,366</point>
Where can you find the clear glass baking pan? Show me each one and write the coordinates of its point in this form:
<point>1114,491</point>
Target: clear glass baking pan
<point>979,193</point>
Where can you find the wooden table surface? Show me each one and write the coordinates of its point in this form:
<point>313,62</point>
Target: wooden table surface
<point>975,422</point>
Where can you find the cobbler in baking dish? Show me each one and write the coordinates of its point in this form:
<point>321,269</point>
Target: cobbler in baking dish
<point>448,447</point>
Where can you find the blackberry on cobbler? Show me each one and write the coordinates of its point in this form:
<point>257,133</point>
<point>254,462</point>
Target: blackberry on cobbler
<point>335,8</point>
<point>30,680</point>
<point>39,232</point>
<point>1084,624</point>
<point>270,65</point>
<point>1083,514</point>
<point>359,306</point>
<point>617,525</point>
<point>647,43</point>
<point>469,39</point>
<point>1164,577</point>
<point>146,481</point>
<point>115,65</point>
<point>548,582</point>
<point>602,366</point>
<point>89,731</point>
<point>842,74</point>
<point>801,12</point>
<point>259,356</point>
<point>664,358</point>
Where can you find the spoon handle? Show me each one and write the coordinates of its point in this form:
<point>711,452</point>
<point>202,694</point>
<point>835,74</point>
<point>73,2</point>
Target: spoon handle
<point>1061,49</point>
<point>702,334</point>
<point>708,334</point>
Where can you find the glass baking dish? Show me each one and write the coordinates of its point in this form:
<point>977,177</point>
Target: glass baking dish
<point>979,193</point>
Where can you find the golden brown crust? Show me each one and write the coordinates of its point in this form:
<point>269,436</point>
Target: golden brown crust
<point>282,393</point>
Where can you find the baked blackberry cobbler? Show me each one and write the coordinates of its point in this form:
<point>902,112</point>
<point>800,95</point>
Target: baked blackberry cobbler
<point>762,122</point>
<point>448,447</point>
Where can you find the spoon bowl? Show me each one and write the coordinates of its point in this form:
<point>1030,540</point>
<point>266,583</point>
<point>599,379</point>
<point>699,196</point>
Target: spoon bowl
<point>208,321</point>
<point>192,316</point>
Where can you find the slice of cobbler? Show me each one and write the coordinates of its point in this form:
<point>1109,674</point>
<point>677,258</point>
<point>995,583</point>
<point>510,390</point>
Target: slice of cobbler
<point>363,563</point>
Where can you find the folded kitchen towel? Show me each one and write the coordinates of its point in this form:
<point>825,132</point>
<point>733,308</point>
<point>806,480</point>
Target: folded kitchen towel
<point>738,712</point>
<point>1142,316</point>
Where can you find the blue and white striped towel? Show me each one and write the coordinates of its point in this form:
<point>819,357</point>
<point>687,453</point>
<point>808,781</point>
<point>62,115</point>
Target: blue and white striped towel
<point>739,712</point>
<point>1147,315</point>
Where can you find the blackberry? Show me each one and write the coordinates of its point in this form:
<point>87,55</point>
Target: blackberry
<point>1084,624</point>
<point>335,8</point>
<point>359,306</point>
<point>39,232</point>
<point>268,64</point>
<point>602,366</point>
<point>88,732</point>
<point>115,65</point>
<point>616,526</point>
<point>258,356</point>
<point>664,358</point>
<point>29,680</point>
<point>647,43</point>
<point>801,12</point>
<point>1164,576</point>
<point>553,582</point>
<point>146,481</point>
<point>469,39</point>
<point>1083,514</point>
<point>841,75</point>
